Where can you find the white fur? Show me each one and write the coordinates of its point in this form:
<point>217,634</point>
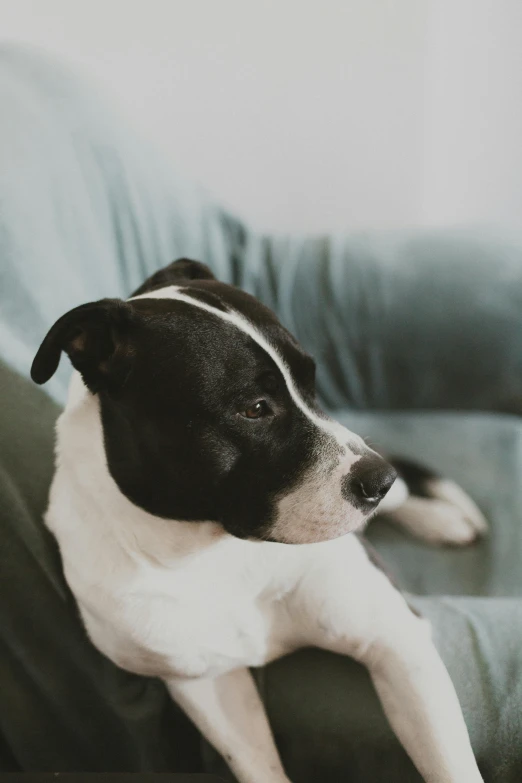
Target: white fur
<point>230,713</point>
<point>448,517</point>
<point>437,522</point>
<point>449,491</point>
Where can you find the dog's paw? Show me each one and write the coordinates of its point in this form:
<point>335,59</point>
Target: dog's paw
<point>440,522</point>
<point>445,489</point>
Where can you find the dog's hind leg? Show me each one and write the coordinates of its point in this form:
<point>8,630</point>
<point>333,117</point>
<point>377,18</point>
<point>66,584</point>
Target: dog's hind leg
<point>230,714</point>
<point>432,508</point>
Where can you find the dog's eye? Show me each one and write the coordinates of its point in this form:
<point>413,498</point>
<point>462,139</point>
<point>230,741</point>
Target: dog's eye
<point>256,411</point>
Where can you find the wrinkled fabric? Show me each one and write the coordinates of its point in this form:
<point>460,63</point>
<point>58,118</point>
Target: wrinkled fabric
<point>402,320</point>
<point>399,323</point>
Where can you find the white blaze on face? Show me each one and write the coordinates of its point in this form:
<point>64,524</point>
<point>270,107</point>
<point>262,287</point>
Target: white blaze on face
<point>315,510</point>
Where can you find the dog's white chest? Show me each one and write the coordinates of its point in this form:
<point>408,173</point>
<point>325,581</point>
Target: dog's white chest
<point>215,630</point>
<point>155,636</point>
<point>201,618</point>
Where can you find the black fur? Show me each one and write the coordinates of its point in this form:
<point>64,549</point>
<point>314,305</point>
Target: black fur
<point>179,271</point>
<point>416,477</point>
<point>98,339</point>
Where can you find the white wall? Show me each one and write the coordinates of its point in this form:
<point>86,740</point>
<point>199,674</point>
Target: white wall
<point>300,114</point>
<point>473,131</point>
<point>313,114</point>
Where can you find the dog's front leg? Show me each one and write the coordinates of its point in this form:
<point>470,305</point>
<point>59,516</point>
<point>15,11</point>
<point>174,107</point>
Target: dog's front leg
<point>230,714</point>
<point>350,607</point>
<point>420,702</point>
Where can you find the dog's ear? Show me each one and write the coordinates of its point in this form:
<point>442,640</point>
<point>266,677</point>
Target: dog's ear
<point>178,271</point>
<point>96,337</point>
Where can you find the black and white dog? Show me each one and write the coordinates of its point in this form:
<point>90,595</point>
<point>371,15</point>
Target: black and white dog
<point>192,460</point>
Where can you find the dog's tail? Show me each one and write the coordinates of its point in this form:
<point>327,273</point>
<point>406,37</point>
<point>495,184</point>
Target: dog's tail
<point>431,507</point>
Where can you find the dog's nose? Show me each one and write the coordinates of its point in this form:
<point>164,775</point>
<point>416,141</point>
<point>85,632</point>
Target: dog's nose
<point>369,480</point>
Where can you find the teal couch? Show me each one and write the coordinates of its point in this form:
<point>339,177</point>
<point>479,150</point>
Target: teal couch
<point>418,338</point>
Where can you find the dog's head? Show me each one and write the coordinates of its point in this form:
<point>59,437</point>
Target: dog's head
<point>208,411</point>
